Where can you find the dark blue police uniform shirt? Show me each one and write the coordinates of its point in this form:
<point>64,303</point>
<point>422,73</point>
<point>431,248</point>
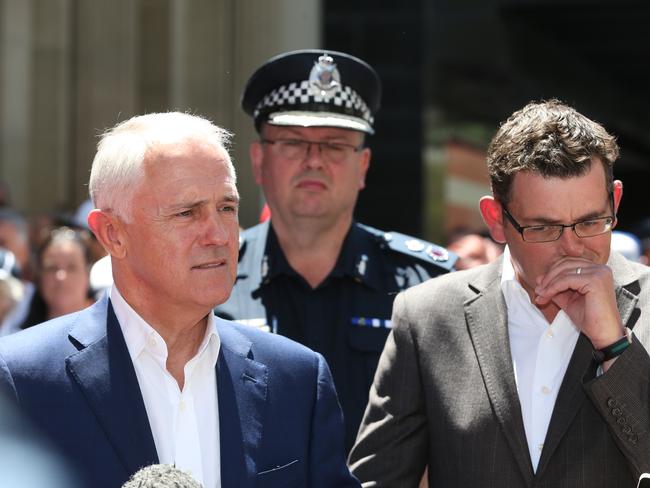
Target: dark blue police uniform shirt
<point>347,317</point>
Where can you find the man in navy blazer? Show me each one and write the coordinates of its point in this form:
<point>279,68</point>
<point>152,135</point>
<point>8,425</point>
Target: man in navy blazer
<point>148,374</point>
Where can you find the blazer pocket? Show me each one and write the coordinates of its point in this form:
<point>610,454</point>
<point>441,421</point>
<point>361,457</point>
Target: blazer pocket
<point>286,476</point>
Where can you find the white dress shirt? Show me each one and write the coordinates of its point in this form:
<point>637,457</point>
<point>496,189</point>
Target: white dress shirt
<point>540,356</point>
<point>184,424</point>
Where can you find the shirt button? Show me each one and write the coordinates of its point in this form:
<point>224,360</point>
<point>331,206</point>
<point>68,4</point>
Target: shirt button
<point>152,341</point>
<point>549,334</point>
<point>181,405</point>
<point>546,390</point>
<point>540,447</point>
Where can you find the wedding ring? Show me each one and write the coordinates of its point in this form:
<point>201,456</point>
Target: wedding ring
<point>578,270</point>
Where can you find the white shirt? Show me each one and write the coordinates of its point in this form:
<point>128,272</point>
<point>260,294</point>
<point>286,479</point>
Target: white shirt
<point>540,356</point>
<point>184,424</point>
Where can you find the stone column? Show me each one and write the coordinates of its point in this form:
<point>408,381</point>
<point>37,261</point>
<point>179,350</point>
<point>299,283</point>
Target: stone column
<point>50,181</point>
<point>215,46</point>
<point>105,77</point>
<point>15,96</point>
<point>73,68</point>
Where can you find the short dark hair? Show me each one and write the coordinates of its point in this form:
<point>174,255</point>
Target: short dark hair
<point>81,237</point>
<point>551,139</point>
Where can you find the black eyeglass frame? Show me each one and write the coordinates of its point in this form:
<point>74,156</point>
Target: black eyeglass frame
<point>320,144</point>
<point>519,228</point>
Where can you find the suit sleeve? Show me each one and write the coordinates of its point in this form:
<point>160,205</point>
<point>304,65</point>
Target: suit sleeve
<point>327,447</point>
<point>622,395</point>
<point>391,447</point>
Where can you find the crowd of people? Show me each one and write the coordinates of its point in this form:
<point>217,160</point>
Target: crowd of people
<point>45,270</point>
<point>311,349</point>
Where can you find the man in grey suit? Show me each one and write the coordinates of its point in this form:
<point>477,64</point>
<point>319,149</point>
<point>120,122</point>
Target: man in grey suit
<point>532,370</point>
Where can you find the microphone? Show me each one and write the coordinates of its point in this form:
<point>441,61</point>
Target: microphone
<point>644,481</point>
<point>161,476</point>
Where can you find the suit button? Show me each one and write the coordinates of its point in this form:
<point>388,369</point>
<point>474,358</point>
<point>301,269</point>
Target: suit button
<point>611,403</point>
<point>620,421</point>
<point>627,430</point>
<point>617,412</point>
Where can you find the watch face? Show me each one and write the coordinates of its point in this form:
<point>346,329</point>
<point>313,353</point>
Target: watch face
<point>644,481</point>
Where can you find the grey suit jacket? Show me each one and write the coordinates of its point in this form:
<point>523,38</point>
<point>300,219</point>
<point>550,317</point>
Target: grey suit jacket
<point>444,395</point>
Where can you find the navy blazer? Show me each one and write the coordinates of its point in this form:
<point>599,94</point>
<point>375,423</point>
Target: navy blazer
<point>279,418</point>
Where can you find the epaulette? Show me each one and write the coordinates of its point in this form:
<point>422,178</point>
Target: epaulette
<point>416,248</point>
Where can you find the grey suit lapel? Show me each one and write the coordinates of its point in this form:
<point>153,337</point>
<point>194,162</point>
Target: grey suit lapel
<point>571,395</point>
<point>627,289</point>
<point>104,372</point>
<point>486,319</point>
<point>569,399</point>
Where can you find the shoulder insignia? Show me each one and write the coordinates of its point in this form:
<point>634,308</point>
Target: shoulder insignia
<point>417,248</point>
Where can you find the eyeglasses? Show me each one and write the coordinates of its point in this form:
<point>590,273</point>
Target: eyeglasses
<point>298,149</point>
<point>548,233</point>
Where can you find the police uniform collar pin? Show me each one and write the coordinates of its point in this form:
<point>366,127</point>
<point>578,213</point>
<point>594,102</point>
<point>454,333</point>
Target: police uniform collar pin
<point>438,254</point>
<point>414,245</point>
<point>324,76</point>
<point>265,267</point>
<point>362,264</point>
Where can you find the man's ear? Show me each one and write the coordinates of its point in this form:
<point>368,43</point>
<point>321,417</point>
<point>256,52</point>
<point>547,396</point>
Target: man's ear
<point>257,158</point>
<point>364,165</point>
<point>109,232</point>
<point>493,217</point>
<point>618,194</point>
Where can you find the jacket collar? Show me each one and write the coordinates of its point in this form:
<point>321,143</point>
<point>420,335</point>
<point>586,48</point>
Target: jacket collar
<point>242,385</point>
<point>103,370</point>
<point>487,323</point>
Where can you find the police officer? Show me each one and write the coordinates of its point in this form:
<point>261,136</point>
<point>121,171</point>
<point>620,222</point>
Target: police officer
<point>312,273</point>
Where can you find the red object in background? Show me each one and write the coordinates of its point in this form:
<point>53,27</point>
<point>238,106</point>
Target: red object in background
<point>266,213</point>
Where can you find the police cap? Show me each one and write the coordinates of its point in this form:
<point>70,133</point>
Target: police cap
<point>314,88</point>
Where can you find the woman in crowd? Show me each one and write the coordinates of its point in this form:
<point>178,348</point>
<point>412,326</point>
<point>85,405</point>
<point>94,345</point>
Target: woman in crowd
<point>63,267</point>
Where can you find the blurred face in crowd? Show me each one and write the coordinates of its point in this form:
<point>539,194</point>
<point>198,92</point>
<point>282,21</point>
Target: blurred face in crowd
<point>64,277</point>
<point>12,240</point>
<point>310,182</point>
<point>7,301</point>
<point>182,240</point>
<point>473,250</point>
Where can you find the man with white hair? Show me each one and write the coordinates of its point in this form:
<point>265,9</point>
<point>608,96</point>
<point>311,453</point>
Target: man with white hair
<point>148,374</point>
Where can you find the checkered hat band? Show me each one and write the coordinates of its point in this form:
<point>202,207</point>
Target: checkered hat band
<point>343,99</point>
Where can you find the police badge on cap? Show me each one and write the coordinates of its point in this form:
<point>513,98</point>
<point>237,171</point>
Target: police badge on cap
<point>314,88</point>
